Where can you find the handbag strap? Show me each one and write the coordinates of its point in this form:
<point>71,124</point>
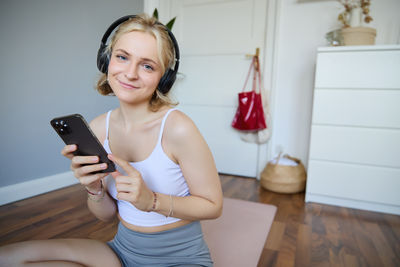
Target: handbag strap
<point>248,74</point>
<point>254,85</point>
<point>257,74</point>
<point>255,66</point>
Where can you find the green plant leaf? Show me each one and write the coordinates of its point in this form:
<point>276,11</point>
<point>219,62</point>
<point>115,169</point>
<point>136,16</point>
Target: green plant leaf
<point>170,24</point>
<point>155,13</point>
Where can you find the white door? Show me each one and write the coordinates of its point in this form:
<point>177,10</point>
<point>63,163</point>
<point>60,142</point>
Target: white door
<point>214,37</point>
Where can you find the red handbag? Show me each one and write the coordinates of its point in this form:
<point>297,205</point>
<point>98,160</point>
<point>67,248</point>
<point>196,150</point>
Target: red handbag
<point>250,114</point>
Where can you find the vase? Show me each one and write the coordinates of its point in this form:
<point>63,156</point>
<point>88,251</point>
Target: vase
<point>355,17</point>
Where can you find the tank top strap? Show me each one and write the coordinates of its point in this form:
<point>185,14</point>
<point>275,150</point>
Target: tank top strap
<point>108,123</point>
<point>163,124</point>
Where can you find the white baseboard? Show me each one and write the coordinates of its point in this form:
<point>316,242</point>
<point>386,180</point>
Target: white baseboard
<point>355,204</point>
<point>15,192</point>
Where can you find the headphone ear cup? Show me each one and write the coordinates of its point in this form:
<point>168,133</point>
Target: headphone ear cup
<point>103,58</point>
<point>166,81</point>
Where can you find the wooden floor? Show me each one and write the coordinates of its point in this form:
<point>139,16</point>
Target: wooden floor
<point>301,234</point>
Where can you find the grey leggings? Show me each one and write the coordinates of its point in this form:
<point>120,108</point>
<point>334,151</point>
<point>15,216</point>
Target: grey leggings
<point>183,246</point>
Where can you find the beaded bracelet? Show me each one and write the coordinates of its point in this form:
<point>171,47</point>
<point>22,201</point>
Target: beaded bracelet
<point>154,202</point>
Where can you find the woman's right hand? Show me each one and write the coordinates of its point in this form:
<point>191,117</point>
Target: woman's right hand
<point>83,168</point>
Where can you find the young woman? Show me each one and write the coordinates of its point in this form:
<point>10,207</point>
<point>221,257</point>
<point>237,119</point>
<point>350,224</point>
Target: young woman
<point>166,179</point>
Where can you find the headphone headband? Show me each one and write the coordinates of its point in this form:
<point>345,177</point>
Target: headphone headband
<point>103,56</point>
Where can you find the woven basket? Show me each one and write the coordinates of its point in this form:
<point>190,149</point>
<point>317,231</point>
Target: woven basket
<point>284,179</point>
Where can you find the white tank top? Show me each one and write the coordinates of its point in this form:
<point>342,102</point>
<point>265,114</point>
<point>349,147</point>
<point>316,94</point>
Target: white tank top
<point>160,174</point>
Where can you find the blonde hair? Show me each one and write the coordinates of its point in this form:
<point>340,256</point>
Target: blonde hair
<point>166,54</point>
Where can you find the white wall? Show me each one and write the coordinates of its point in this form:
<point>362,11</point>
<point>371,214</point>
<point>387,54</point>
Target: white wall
<point>301,27</point>
<point>48,68</point>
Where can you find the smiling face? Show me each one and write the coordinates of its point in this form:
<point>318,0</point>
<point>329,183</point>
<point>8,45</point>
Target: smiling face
<point>134,70</point>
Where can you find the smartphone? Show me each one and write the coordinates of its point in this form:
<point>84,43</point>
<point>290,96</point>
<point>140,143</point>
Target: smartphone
<point>74,130</point>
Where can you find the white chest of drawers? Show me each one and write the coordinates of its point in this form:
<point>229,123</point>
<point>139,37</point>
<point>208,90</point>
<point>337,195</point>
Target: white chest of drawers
<point>354,156</point>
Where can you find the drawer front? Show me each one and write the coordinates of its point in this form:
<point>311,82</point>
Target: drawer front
<point>358,69</point>
<point>370,108</point>
<point>379,147</point>
<point>367,183</point>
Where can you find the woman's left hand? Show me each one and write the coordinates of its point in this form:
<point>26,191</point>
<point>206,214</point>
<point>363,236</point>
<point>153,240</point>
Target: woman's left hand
<point>131,187</point>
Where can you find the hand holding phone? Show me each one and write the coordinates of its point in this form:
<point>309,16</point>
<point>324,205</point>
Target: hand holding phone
<point>74,130</point>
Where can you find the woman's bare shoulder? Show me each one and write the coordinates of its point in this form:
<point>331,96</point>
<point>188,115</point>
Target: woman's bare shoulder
<point>179,124</point>
<point>180,129</point>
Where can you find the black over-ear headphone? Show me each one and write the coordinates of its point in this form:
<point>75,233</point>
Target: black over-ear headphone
<point>103,56</point>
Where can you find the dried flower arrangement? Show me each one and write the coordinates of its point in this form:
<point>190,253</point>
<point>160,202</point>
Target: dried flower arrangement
<point>349,5</point>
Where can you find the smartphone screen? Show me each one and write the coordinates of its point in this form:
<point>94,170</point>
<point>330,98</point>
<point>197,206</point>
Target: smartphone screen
<point>74,130</point>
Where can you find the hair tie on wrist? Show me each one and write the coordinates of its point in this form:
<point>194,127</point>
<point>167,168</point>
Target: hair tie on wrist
<point>98,193</point>
<point>96,197</point>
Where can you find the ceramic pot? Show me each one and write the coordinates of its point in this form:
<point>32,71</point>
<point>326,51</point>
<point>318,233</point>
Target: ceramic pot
<point>359,36</point>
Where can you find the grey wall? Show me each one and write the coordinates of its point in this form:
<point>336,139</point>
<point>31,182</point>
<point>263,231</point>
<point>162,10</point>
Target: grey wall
<point>48,68</point>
